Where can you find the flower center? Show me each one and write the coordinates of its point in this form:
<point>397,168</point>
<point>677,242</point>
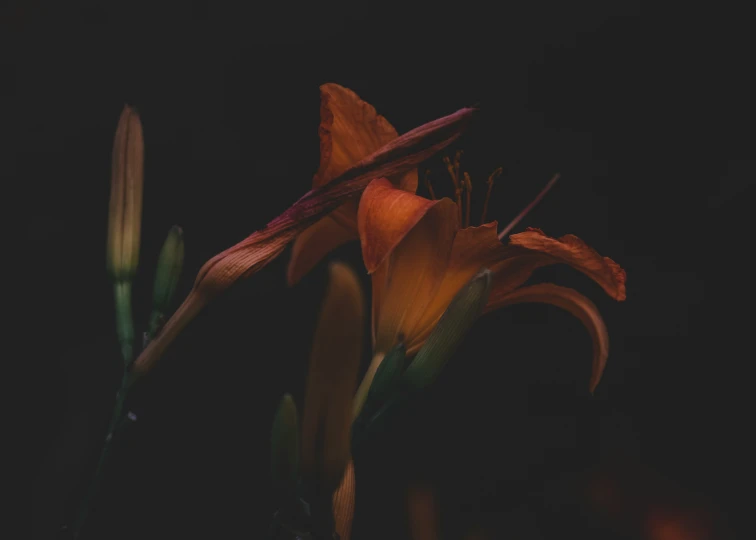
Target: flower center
<point>463,188</point>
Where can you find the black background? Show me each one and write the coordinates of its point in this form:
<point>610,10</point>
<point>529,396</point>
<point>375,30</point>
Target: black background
<point>644,110</point>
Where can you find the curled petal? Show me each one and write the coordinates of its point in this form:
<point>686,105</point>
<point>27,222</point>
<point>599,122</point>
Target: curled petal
<point>331,382</point>
<point>343,504</point>
<point>572,250</point>
<point>412,237</point>
<point>569,300</point>
<point>386,215</point>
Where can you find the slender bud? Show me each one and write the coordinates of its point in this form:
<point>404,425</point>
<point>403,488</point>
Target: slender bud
<point>124,221</point>
<point>125,215</point>
<point>170,264</point>
<point>443,341</point>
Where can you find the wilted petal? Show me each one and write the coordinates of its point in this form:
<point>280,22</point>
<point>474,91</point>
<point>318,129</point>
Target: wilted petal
<point>261,247</point>
<point>572,301</point>
<point>314,243</point>
<point>331,381</point>
<point>413,237</point>
<point>343,504</point>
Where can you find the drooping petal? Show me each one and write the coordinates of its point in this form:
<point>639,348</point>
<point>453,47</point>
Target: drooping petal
<point>261,247</point>
<point>412,237</point>
<point>569,300</point>
<point>331,381</point>
<point>314,243</point>
<point>351,129</point>
<point>343,504</point>
<point>570,249</point>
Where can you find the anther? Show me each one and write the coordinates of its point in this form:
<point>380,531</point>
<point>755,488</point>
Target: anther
<point>490,183</point>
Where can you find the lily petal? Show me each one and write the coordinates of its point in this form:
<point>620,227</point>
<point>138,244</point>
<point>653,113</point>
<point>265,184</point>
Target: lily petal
<point>474,248</point>
<point>569,300</point>
<point>261,247</point>
<point>350,129</point>
<point>331,381</point>
<point>568,249</point>
<point>312,245</point>
<point>411,238</point>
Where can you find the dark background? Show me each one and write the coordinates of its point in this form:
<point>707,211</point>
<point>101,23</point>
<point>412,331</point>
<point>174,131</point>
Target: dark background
<point>644,110</point>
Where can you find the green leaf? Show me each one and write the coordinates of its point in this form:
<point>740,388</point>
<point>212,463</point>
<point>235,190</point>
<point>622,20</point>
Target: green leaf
<point>285,447</point>
<point>452,327</point>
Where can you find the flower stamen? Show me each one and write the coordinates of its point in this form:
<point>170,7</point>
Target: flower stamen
<point>529,207</point>
<point>490,183</point>
<point>468,195</point>
<point>455,180</point>
<point>428,185</point>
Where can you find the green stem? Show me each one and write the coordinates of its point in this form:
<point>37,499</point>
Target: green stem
<point>115,423</point>
<point>124,320</point>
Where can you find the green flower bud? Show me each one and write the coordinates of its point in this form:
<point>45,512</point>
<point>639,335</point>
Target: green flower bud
<point>170,264</point>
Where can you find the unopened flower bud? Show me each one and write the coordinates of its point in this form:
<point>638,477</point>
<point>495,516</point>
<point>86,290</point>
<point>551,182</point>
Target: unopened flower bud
<point>125,216</point>
<point>169,266</point>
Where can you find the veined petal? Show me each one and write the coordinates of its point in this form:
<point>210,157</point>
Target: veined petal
<point>569,300</point>
<point>351,129</point>
<point>343,504</point>
<point>412,238</point>
<point>570,249</point>
<point>315,243</point>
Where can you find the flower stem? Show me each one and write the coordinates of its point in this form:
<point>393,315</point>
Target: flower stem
<point>124,321</point>
<point>115,424</point>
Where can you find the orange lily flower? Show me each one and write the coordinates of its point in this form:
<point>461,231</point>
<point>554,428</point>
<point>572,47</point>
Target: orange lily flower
<point>350,129</point>
<point>419,258</point>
